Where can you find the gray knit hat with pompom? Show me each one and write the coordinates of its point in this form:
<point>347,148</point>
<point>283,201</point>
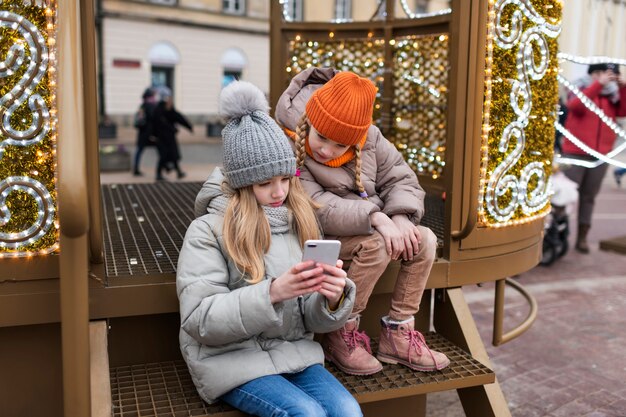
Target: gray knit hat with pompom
<point>255,148</point>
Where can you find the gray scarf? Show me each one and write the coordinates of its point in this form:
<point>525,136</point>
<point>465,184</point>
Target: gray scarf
<point>278,217</point>
<point>610,90</point>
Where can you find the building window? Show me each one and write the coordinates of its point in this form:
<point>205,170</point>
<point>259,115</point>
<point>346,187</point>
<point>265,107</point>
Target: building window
<point>343,9</point>
<point>233,63</point>
<point>421,6</point>
<point>294,10</point>
<point>234,6</point>
<point>164,2</point>
<point>163,77</point>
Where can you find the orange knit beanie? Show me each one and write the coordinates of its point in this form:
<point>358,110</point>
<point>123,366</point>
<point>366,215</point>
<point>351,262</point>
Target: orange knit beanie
<point>342,109</point>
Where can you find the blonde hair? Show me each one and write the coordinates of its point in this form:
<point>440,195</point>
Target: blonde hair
<point>303,129</point>
<point>246,230</point>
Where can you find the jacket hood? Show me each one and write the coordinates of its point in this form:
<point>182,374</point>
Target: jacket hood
<point>292,102</point>
<point>211,189</point>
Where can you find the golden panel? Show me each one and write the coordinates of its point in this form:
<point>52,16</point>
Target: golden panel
<point>420,87</point>
<point>519,111</point>
<point>28,218</point>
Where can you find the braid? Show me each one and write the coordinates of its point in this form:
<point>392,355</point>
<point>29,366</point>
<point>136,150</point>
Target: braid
<point>302,131</point>
<point>357,173</point>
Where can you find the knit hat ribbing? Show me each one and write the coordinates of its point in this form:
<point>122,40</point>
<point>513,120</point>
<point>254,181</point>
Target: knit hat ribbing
<point>341,110</point>
<point>255,148</point>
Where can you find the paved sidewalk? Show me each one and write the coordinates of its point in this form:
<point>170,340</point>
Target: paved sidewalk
<point>572,362</point>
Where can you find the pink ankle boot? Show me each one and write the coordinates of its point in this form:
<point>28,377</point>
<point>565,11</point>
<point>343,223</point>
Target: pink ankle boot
<point>401,343</point>
<point>349,349</point>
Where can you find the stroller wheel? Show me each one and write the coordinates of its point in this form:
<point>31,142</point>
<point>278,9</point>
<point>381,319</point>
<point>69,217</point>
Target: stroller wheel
<point>563,248</point>
<point>548,255</point>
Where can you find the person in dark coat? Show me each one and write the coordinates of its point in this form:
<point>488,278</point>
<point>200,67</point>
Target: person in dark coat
<point>143,124</point>
<point>165,121</point>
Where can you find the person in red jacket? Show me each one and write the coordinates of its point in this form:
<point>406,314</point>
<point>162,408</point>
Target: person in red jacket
<point>606,88</point>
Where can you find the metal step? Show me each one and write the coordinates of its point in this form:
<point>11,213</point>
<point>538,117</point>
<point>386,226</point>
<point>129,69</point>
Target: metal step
<point>166,389</point>
<point>144,225</point>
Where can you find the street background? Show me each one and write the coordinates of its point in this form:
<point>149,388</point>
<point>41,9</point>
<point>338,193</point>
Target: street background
<point>572,361</point>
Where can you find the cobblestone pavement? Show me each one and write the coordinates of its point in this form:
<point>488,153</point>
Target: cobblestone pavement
<point>572,361</point>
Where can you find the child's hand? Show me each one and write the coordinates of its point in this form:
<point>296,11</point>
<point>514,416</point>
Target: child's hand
<point>392,235</point>
<point>333,284</point>
<point>298,280</point>
<point>410,234</point>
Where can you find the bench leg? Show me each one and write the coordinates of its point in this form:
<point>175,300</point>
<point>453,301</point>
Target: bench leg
<point>453,320</point>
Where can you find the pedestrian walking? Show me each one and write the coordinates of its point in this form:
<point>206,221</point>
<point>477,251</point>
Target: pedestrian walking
<point>371,201</point>
<point>606,88</point>
<point>165,127</point>
<point>248,304</point>
<point>143,124</point>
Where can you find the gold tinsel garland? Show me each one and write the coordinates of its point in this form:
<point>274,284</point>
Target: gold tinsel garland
<point>540,131</point>
<point>38,160</point>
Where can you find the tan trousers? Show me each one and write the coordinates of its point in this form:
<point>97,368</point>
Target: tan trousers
<point>369,259</point>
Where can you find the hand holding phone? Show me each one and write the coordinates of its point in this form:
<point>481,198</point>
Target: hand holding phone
<point>326,253</point>
<point>322,251</point>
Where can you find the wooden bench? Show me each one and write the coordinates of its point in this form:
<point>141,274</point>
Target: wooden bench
<point>144,227</point>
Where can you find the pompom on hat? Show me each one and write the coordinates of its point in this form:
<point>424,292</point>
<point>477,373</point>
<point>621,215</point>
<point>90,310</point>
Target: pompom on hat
<point>255,148</point>
<point>341,110</point>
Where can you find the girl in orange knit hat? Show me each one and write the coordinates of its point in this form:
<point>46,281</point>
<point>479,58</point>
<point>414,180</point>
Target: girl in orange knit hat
<point>371,201</point>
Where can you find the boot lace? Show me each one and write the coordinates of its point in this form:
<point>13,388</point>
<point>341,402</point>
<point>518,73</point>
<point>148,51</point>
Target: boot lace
<point>355,338</point>
<point>417,343</point>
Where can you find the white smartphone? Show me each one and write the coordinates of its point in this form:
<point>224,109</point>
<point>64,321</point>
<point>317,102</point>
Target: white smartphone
<point>322,251</point>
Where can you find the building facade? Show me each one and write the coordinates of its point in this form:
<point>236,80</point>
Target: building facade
<point>195,47</point>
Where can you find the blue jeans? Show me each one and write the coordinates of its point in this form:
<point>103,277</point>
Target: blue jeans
<point>314,392</point>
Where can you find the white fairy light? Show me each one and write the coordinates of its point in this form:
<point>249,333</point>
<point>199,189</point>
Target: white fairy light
<point>589,104</point>
<point>590,60</point>
<point>35,66</point>
<point>601,157</point>
<point>10,102</point>
<point>45,212</point>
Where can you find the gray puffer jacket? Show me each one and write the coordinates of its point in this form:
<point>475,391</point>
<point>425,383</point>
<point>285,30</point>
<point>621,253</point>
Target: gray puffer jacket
<point>230,331</point>
<point>391,184</point>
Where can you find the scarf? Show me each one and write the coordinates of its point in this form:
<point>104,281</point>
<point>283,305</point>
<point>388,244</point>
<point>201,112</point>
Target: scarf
<point>278,217</point>
<point>610,90</point>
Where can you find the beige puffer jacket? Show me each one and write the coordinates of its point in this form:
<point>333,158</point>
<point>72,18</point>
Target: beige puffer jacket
<point>391,184</point>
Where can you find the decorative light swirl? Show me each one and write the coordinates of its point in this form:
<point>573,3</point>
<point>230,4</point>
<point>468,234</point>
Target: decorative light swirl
<point>536,199</point>
<point>500,183</point>
<point>589,104</point>
<point>45,211</point>
<point>505,41</point>
<point>412,15</point>
<point>588,60</point>
<point>601,157</point>
<point>35,71</point>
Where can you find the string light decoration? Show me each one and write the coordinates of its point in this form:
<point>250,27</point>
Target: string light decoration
<point>365,58</point>
<point>592,107</point>
<point>420,87</point>
<point>519,110</point>
<point>419,105</point>
<point>28,219</point>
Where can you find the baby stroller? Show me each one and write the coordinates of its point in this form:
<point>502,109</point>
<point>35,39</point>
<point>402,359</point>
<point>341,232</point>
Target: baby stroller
<point>556,228</point>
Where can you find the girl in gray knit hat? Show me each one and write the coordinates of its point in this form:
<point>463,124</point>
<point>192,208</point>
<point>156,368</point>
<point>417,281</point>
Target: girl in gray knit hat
<point>248,305</point>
